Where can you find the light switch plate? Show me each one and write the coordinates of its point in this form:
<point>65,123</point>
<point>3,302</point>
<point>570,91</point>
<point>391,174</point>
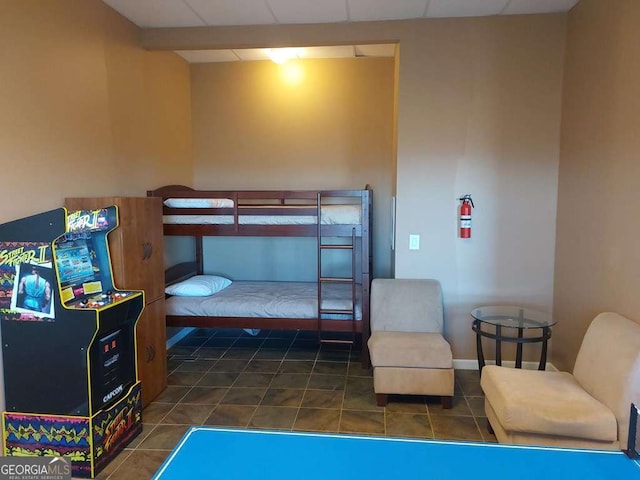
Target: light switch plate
<point>414,242</point>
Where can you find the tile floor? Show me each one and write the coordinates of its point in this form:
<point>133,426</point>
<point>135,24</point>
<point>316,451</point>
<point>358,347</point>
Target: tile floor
<point>284,381</point>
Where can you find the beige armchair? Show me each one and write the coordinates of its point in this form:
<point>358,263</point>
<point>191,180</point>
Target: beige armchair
<point>587,409</point>
<point>408,352</point>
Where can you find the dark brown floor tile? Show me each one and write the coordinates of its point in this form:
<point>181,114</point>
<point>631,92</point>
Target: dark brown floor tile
<point>212,353</point>
<point>483,424</point>
<point>231,416</point>
<point>457,389</point>
<point>163,437</point>
<point>191,341</point>
<point>233,366</point>
<point>301,354</point>
<point>360,384</point>
<point>317,420</point>
<point>358,421</point>
<point>408,425</point>
<point>269,354</point>
<point>280,418</point>
<point>296,366</point>
<point>243,396</point>
<point>112,465</point>
<point>323,399</point>
<point>330,368</point>
<point>477,406</point>
<point>188,414</point>
<point>459,406</point>
<point>218,379</point>
<point>359,394</point>
<point>283,397</point>
<point>276,343</point>
<point>240,353</point>
<point>197,365</point>
<point>219,342</point>
<point>290,380</point>
<point>357,370</point>
<point>263,366</point>
<point>173,363</point>
<point>455,428</point>
<point>184,378</point>
<point>204,395</point>
<point>183,350</point>
<point>253,380</point>
<point>407,404</point>
<point>140,465</point>
<point>248,343</point>
<point>327,382</point>
<point>469,382</point>
<point>360,401</point>
<point>146,429</point>
<point>334,354</point>
<point>172,394</point>
<point>155,412</point>
<point>285,334</point>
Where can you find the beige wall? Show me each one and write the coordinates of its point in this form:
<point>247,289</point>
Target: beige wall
<point>597,256</point>
<point>478,111</point>
<point>84,110</point>
<point>308,124</point>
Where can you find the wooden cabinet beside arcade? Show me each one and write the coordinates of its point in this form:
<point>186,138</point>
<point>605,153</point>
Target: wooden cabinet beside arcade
<point>136,250</point>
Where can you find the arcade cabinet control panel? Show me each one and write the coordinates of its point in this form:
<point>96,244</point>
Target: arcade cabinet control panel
<point>100,300</point>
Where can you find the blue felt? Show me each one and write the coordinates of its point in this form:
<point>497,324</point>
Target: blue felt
<point>212,453</point>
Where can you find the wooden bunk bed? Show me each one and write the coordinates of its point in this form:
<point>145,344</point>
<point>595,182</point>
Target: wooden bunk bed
<point>332,306</point>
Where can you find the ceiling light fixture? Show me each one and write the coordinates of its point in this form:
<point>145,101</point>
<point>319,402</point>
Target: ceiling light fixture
<point>282,55</point>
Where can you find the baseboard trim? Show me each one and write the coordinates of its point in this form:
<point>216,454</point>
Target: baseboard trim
<point>469,364</point>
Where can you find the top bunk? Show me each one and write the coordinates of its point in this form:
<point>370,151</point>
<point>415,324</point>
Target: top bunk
<point>286,213</point>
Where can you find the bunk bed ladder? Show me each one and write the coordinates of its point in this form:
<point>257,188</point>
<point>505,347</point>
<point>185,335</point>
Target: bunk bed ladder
<point>350,313</point>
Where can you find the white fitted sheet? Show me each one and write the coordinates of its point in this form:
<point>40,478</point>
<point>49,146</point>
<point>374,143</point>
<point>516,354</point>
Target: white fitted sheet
<point>329,215</point>
<point>267,299</point>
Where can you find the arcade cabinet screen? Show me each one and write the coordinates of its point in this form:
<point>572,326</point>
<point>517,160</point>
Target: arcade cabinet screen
<point>78,271</point>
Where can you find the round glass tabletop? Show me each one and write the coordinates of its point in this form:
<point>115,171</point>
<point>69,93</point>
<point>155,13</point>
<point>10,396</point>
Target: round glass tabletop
<point>512,316</point>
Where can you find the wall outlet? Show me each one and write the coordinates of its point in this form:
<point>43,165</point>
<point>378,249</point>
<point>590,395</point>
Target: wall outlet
<point>414,242</point>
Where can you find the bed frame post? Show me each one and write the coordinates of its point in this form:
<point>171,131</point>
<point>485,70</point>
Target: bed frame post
<point>199,256</point>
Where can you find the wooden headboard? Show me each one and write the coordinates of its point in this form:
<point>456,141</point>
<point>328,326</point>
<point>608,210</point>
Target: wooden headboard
<point>179,272</point>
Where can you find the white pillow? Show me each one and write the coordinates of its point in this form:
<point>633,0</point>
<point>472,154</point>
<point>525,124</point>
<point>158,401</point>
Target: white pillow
<point>199,202</point>
<point>198,286</point>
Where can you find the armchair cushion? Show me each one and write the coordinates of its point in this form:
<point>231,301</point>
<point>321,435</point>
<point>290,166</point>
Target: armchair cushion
<point>549,403</point>
<point>410,350</point>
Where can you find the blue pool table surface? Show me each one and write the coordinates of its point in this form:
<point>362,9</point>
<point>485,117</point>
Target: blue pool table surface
<point>215,453</point>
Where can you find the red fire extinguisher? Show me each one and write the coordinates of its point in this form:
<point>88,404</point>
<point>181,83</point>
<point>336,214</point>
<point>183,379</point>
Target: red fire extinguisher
<point>465,216</point>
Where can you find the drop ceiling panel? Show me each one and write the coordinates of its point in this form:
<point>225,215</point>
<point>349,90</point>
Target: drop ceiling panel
<point>465,8</point>
<point>309,11</point>
<point>338,51</point>
<point>384,50</point>
<point>237,12</point>
<point>252,54</point>
<point>208,56</point>
<point>372,10</point>
<point>516,7</point>
<point>156,13</point>
<point>197,13</point>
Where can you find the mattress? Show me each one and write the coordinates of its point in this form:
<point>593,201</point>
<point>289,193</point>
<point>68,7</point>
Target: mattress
<point>267,299</point>
<point>329,215</point>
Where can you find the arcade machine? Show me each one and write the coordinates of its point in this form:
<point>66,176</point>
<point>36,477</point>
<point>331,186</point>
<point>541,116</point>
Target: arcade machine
<point>68,341</point>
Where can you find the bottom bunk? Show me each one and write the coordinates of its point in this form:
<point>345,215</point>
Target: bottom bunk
<point>207,301</point>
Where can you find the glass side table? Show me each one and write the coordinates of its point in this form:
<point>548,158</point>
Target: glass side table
<point>506,319</point>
